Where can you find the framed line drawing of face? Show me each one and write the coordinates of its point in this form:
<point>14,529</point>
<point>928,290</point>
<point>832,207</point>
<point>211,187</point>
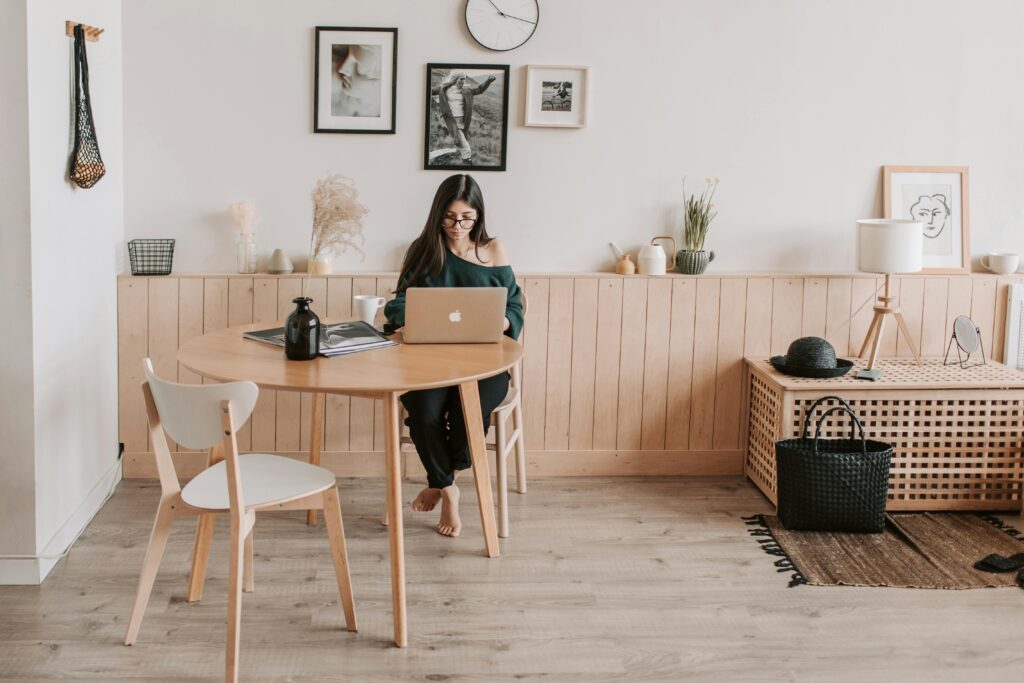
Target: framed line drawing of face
<point>937,196</point>
<point>467,117</point>
<point>354,84</point>
<point>556,96</point>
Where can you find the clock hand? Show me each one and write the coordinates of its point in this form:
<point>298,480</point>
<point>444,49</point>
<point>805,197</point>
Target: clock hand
<point>510,16</point>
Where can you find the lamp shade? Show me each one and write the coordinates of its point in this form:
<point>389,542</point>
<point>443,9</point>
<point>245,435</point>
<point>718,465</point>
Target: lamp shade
<point>890,245</point>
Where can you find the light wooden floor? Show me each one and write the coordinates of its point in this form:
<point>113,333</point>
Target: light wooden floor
<point>604,579</point>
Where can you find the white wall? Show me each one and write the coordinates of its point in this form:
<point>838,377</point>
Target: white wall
<point>794,104</point>
<point>76,255</point>
<point>68,250</point>
<point>17,470</point>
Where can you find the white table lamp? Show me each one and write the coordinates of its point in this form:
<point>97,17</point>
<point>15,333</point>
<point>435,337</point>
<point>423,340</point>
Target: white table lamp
<point>887,246</point>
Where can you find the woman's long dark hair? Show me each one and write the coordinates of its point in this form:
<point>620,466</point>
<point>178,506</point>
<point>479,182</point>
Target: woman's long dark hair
<point>426,254</point>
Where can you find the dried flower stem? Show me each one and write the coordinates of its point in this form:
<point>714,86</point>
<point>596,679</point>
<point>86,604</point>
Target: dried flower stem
<point>337,217</point>
<point>244,214</point>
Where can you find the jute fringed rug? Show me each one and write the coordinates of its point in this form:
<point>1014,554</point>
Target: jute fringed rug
<point>917,550</point>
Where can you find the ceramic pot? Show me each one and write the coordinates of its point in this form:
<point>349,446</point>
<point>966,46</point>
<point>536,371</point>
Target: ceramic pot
<point>694,262</point>
<point>302,331</point>
<point>279,263</point>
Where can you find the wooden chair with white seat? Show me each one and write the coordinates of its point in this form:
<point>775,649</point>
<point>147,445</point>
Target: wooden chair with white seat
<point>201,416</point>
<point>505,441</point>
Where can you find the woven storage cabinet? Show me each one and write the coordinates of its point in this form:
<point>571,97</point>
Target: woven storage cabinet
<point>957,434</point>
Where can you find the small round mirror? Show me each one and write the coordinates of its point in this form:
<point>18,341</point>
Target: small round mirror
<point>966,334</point>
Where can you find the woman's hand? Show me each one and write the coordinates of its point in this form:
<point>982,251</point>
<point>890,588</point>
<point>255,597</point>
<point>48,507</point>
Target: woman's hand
<point>508,324</point>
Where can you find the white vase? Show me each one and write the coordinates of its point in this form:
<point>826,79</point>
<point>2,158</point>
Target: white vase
<point>321,265</point>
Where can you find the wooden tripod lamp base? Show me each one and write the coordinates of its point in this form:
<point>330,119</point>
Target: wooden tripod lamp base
<point>873,339</point>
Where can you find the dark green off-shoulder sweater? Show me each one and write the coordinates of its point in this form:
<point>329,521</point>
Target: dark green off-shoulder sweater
<point>458,272</point>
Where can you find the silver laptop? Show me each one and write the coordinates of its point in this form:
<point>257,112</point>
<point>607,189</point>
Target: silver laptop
<point>454,315</point>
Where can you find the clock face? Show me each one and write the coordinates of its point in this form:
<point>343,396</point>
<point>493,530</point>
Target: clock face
<point>502,24</point>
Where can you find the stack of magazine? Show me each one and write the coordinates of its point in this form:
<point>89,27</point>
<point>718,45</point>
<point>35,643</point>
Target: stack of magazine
<point>337,339</point>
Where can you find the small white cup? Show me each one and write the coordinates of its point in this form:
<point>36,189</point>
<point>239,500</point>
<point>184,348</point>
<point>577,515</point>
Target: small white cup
<point>366,307</point>
<point>1002,264</point>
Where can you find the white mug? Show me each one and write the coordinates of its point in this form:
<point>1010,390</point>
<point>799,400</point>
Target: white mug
<point>1002,264</point>
<point>366,306</point>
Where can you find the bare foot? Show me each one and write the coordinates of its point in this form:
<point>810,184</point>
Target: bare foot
<point>426,500</point>
<point>449,524</point>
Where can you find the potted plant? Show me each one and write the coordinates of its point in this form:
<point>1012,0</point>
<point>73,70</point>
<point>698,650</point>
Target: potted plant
<point>337,222</point>
<point>698,212</point>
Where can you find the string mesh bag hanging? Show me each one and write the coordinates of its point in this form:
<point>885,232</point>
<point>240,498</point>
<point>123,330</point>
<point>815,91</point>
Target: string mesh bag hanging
<point>86,164</point>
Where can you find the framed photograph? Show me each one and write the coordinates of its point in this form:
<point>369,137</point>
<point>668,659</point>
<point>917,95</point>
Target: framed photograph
<point>355,78</point>
<point>556,96</point>
<point>467,117</point>
<point>938,197</point>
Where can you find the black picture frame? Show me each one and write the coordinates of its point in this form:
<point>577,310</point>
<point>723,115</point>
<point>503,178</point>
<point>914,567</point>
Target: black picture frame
<point>319,126</point>
<point>435,129</point>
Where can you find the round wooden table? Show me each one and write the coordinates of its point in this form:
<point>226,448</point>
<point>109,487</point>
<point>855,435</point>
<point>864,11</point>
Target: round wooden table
<point>383,374</point>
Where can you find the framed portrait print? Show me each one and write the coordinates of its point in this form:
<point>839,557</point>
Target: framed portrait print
<point>354,82</point>
<point>938,197</point>
<point>467,117</point>
<point>556,96</point>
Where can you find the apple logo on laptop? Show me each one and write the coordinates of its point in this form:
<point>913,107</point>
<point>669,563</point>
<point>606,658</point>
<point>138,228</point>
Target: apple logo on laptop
<point>455,316</point>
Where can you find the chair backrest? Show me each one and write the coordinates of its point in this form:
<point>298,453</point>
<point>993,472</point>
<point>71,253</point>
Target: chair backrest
<point>517,369</point>
<point>191,413</point>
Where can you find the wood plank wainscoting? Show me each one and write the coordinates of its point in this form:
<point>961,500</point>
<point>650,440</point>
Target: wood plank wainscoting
<point>621,375</point>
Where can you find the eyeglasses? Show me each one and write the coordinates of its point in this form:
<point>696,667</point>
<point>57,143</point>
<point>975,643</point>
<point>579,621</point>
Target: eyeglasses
<point>463,223</point>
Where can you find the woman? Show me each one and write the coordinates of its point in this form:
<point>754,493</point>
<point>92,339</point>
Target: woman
<point>454,250</point>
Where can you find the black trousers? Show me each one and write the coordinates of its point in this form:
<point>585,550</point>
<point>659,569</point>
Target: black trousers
<point>438,429</point>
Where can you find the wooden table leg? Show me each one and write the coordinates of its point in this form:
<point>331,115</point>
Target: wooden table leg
<point>204,537</point>
<point>316,426</point>
<point>392,459</point>
<point>469,392</point>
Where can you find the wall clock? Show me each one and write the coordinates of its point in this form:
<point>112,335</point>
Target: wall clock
<point>502,25</point>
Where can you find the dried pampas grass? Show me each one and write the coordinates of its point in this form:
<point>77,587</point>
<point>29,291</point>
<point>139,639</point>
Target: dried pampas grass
<point>244,214</point>
<point>337,217</point>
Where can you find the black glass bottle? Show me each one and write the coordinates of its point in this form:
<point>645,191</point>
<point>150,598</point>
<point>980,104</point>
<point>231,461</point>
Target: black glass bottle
<point>302,331</point>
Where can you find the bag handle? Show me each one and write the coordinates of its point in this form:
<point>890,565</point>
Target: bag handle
<point>814,406</point>
<point>853,418</point>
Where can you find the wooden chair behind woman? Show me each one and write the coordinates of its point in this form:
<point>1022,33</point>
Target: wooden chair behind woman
<point>203,416</point>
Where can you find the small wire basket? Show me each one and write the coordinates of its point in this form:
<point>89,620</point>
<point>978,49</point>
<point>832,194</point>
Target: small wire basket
<point>151,256</point>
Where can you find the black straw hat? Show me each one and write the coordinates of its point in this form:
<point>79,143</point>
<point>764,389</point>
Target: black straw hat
<point>811,357</point>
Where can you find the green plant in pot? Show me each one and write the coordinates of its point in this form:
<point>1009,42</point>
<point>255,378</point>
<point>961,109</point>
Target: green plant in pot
<point>698,212</point>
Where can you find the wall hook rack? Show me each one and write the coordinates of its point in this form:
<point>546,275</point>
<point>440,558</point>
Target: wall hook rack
<point>92,34</point>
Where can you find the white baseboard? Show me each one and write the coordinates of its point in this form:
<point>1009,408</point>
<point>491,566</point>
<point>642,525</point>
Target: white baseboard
<point>31,571</point>
<point>20,572</point>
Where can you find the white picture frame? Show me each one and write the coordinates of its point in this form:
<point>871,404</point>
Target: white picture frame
<point>557,96</point>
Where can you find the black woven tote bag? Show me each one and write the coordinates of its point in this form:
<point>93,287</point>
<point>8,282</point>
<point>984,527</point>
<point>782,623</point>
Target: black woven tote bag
<point>86,167</point>
<point>832,484</point>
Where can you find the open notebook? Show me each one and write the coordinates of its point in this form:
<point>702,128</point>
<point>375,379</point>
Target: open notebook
<point>336,339</point>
